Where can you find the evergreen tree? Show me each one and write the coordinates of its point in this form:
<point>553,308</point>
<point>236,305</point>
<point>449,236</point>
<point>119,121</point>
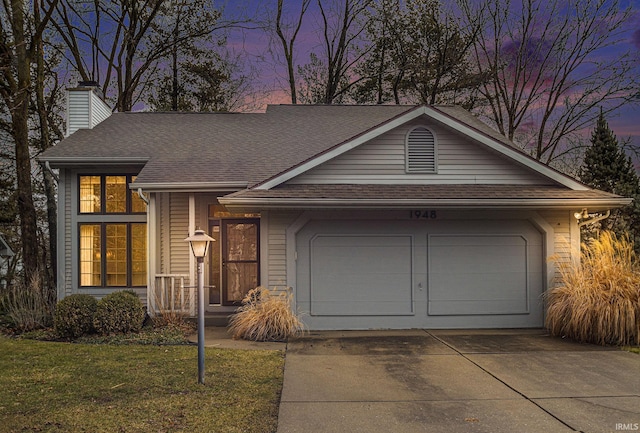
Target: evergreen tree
<point>608,168</point>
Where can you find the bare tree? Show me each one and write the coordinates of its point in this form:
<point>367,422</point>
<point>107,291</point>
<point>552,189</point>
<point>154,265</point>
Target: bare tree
<point>212,83</point>
<point>383,68</point>
<point>343,23</point>
<point>437,55</point>
<point>288,41</point>
<point>542,57</point>
<point>21,34</point>
<point>122,43</point>
<point>420,55</point>
<point>48,92</point>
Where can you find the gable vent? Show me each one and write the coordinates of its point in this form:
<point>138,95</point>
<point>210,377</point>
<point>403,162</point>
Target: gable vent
<point>421,151</point>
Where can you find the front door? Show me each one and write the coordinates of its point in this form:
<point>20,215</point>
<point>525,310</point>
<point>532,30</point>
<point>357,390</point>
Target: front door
<point>236,268</point>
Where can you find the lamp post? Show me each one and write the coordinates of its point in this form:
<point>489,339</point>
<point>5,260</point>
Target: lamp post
<point>199,242</point>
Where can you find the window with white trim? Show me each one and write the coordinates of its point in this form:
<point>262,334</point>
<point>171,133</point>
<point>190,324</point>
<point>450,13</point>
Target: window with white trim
<point>421,152</point>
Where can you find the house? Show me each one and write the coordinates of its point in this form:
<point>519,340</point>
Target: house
<point>375,216</point>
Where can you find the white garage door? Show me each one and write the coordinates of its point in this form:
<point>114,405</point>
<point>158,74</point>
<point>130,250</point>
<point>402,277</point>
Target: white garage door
<point>444,274</point>
<point>368,265</point>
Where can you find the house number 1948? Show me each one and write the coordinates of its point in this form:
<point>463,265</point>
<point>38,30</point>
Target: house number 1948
<point>424,214</point>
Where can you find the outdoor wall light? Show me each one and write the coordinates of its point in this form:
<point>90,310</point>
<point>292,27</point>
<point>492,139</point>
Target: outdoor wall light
<point>199,242</point>
<point>583,215</point>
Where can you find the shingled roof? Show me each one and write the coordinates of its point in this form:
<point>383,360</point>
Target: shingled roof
<point>242,148</point>
<point>257,152</point>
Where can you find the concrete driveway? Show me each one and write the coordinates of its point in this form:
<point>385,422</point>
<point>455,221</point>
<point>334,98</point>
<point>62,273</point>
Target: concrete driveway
<point>456,381</point>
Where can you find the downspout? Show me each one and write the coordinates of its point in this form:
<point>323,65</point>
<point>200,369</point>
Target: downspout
<point>143,197</point>
<point>596,219</point>
<point>151,302</point>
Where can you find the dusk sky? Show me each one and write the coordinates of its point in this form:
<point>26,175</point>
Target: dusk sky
<point>254,47</point>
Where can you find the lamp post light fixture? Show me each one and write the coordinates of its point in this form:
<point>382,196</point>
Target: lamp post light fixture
<point>199,242</point>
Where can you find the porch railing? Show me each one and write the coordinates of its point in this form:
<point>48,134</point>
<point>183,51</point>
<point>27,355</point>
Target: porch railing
<point>172,294</point>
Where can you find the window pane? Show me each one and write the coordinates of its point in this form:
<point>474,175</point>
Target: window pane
<point>116,194</point>
<point>116,252</point>
<point>138,254</point>
<point>218,211</point>
<point>216,275</point>
<point>242,241</point>
<point>241,277</point>
<point>90,242</point>
<point>137,204</point>
<point>90,194</point>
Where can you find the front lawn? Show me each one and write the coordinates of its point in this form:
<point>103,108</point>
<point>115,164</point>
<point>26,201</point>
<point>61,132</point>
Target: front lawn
<point>69,387</point>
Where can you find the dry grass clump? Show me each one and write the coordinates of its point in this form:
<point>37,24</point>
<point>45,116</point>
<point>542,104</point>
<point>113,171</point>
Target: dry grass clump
<point>598,301</point>
<point>168,315</point>
<point>29,305</point>
<point>265,316</point>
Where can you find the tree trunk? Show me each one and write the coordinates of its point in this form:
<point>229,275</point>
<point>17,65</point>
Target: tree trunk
<point>19,109</point>
<point>48,178</point>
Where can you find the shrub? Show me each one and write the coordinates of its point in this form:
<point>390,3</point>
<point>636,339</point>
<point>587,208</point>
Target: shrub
<point>119,312</point>
<point>74,316</point>
<point>29,306</point>
<point>265,317</point>
<point>598,301</point>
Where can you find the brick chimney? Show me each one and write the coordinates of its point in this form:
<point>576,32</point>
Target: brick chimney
<point>85,107</point>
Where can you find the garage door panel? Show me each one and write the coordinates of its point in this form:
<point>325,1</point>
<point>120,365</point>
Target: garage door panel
<point>474,259</point>
<point>363,308</point>
<point>478,287</point>
<point>473,308</point>
<point>479,275</point>
<point>361,275</point>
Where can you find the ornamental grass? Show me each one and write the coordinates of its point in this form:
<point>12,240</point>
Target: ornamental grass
<point>266,316</point>
<point>598,300</point>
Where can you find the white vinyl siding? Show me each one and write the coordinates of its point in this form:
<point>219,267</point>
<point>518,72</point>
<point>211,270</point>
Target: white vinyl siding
<point>179,230</point>
<point>66,247</point>
<point>421,151</point>
<point>561,222</point>
<point>276,261</point>
<point>382,160</point>
<point>85,110</point>
<point>78,111</point>
<point>163,201</point>
<point>99,110</point>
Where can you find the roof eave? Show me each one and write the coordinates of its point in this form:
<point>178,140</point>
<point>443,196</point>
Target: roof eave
<point>543,203</point>
<point>225,187</point>
<point>72,162</point>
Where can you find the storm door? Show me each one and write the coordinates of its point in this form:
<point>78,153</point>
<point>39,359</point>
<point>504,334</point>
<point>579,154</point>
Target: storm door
<point>240,258</point>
